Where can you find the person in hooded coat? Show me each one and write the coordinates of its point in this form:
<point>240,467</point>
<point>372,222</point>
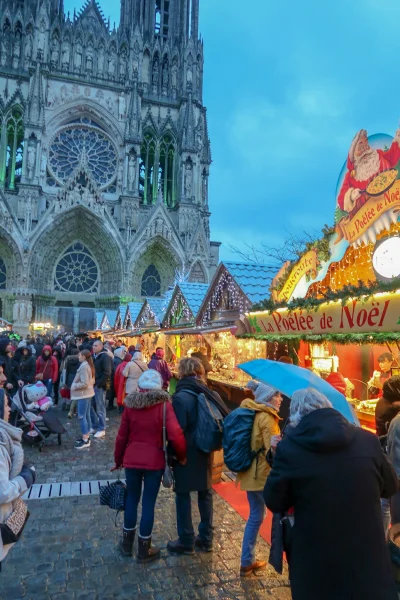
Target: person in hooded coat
<point>11,369</point>
<point>47,369</point>
<point>333,474</point>
<point>27,366</point>
<point>158,363</point>
<point>120,380</point>
<point>15,478</point>
<point>196,474</point>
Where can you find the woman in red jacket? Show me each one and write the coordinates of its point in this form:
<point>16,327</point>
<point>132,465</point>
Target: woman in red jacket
<point>120,381</point>
<point>47,369</point>
<point>139,448</point>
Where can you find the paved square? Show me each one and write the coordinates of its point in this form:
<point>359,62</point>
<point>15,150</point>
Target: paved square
<point>68,551</point>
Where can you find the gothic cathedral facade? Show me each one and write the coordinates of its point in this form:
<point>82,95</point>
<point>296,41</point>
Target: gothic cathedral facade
<point>104,157</point>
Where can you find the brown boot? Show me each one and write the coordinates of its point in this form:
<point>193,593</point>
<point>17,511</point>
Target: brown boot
<point>126,544</point>
<point>145,552</point>
<point>258,565</point>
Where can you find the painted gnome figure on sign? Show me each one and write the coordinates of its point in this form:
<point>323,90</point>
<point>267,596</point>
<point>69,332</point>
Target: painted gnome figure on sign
<point>363,164</point>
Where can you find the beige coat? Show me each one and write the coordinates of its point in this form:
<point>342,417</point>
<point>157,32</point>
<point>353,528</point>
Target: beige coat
<point>12,486</point>
<point>83,384</point>
<point>132,372</point>
<point>266,424</point>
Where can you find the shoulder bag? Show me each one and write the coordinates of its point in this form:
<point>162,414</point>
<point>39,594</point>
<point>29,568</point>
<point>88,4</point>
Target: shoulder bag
<point>11,530</point>
<point>168,477</point>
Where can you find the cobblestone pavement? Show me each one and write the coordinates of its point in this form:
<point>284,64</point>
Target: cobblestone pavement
<point>68,550</point>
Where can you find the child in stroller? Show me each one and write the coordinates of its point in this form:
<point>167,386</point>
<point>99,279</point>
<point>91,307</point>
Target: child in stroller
<point>32,414</point>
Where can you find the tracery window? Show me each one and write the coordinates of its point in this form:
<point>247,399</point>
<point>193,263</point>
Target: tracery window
<point>151,282</point>
<point>76,271</point>
<point>11,148</point>
<point>3,274</point>
<point>157,168</point>
<point>161,23</point>
<point>82,143</point>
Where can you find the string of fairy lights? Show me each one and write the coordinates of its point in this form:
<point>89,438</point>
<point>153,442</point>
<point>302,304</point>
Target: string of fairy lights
<point>226,295</point>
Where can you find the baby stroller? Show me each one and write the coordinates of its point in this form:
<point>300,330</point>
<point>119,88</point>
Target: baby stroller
<point>35,418</point>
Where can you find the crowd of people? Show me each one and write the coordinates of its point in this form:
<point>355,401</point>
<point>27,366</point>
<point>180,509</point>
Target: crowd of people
<point>332,487</point>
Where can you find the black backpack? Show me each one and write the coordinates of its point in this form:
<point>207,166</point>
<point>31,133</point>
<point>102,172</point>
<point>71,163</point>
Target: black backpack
<point>209,427</point>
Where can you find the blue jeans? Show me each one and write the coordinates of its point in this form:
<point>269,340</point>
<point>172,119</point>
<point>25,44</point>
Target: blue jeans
<point>49,385</point>
<point>98,416</point>
<point>257,515</point>
<point>84,405</point>
<point>184,517</point>
<point>151,487</point>
<point>385,510</point>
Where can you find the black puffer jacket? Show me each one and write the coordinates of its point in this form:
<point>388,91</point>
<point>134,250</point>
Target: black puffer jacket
<point>11,367</point>
<point>27,366</point>
<point>333,474</point>
<point>103,366</point>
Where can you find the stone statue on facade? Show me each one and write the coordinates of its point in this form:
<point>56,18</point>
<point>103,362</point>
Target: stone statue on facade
<point>188,180</point>
<point>55,52</point>
<point>112,63</point>
<point>65,54</point>
<point>135,57</point>
<point>155,74</point>
<point>121,106</point>
<point>28,48</point>
<point>16,52</point>
<point>3,51</point>
<point>41,40</point>
<point>122,66</point>
<point>78,57</point>
<point>165,77</point>
<point>28,214</point>
<point>43,164</point>
<point>89,59</point>
<point>131,173</point>
<point>100,61</point>
<point>31,160</point>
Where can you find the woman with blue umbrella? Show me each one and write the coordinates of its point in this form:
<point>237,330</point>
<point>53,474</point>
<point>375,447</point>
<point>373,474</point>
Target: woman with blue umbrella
<point>333,475</point>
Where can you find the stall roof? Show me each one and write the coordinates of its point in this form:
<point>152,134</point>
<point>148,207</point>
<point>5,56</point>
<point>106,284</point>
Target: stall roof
<point>99,318</point>
<point>194,294</point>
<point>111,317</point>
<point>253,279</point>
<point>157,306</point>
<point>122,311</point>
<point>134,310</point>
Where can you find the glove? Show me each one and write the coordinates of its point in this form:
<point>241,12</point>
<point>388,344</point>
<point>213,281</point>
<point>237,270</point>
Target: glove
<point>29,474</point>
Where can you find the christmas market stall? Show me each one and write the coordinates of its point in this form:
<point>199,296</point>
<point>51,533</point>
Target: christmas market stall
<point>179,322</point>
<point>340,302</point>
<point>128,331</point>
<point>235,288</point>
<point>148,323</point>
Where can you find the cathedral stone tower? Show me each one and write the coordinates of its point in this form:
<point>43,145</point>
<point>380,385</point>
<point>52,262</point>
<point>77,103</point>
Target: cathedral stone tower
<point>104,157</point>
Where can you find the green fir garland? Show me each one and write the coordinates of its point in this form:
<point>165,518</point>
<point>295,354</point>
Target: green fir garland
<point>365,290</point>
<point>336,338</point>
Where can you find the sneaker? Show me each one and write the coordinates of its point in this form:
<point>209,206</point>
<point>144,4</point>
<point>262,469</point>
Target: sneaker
<point>258,565</point>
<point>178,548</point>
<point>82,444</point>
<point>203,545</point>
<point>92,431</point>
<point>100,434</point>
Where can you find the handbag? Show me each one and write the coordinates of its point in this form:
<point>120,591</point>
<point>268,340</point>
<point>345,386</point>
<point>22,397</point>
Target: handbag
<point>168,477</point>
<point>113,495</point>
<point>11,530</point>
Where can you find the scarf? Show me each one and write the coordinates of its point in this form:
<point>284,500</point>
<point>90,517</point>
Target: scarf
<point>197,386</point>
<point>10,438</point>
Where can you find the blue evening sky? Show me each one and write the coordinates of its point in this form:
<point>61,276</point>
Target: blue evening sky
<point>287,85</point>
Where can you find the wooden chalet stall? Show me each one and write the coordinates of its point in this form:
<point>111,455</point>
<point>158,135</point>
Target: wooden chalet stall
<point>149,324</point>
<point>340,303</point>
<point>235,288</point>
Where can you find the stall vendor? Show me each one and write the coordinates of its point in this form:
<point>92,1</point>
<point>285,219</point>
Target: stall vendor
<point>375,384</point>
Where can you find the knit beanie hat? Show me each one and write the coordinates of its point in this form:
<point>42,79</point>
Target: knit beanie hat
<point>263,393</point>
<point>120,353</point>
<point>137,356</point>
<point>391,389</point>
<point>150,380</point>
<point>4,342</point>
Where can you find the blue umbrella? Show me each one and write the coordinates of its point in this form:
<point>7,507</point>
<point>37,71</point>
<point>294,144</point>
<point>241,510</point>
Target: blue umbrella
<point>289,378</point>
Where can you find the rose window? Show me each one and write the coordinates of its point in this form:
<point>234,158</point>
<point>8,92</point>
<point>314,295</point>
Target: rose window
<point>83,145</point>
<point>76,271</point>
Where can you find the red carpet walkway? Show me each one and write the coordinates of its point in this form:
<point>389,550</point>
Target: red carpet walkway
<point>238,500</point>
